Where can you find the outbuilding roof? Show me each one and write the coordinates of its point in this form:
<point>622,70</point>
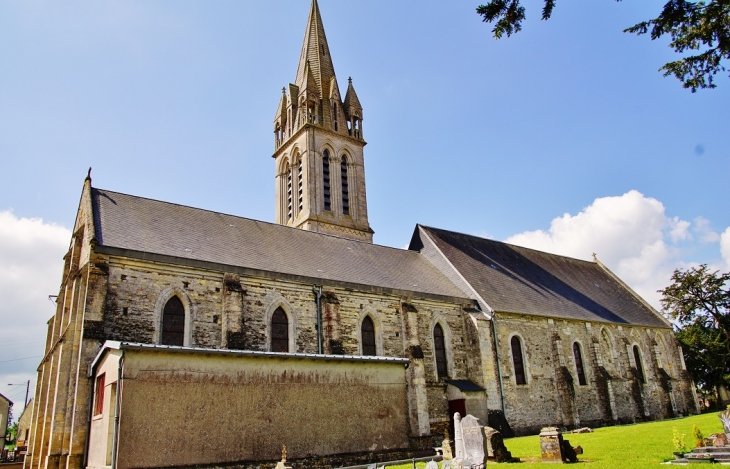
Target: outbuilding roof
<point>144,228</point>
<point>514,279</point>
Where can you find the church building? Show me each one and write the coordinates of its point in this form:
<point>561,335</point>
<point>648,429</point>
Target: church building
<point>186,337</point>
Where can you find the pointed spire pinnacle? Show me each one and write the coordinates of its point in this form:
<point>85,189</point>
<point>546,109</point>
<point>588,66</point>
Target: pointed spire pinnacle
<point>315,51</point>
<point>352,103</point>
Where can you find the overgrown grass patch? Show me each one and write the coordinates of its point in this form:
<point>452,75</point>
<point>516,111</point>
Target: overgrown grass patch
<point>621,447</point>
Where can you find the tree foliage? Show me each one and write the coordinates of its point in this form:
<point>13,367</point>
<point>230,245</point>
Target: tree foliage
<point>692,26</point>
<point>698,301</point>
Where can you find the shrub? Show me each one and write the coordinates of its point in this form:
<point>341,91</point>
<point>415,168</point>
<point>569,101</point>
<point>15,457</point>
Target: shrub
<point>678,440</point>
<point>698,436</point>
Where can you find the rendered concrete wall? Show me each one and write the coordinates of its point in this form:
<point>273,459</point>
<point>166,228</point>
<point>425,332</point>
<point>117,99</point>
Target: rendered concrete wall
<point>214,409</point>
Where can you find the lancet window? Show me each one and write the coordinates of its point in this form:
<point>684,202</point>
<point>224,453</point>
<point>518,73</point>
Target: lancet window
<point>326,180</point>
<point>517,360</point>
<point>279,331</point>
<point>439,349</point>
<point>345,188</point>
<point>578,356</point>
<point>367,331</point>
<point>173,322</point>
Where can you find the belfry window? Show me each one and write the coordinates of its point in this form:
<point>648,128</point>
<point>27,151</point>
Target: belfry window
<point>367,331</point>
<point>289,193</point>
<point>579,364</point>
<point>518,361</point>
<point>173,322</point>
<point>279,331</point>
<point>300,183</point>
<point>345,189</point>
<point>439,351</point>
<point>639,367</point>
<point>326,180</point>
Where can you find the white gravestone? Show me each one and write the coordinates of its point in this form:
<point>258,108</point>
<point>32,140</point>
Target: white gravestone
<point>473,441</point>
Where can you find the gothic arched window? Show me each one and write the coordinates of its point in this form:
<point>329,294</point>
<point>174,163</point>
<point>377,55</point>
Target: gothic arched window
<point>367,331</point>
<point>579,364</point>
<point>326,180</point>
<point>517,360</point>
<point>279,331</point>
<point>345,189</point>
<point>439,351</point>
<point>300,183</point>
<point>289,209</point>
<point>173,322</point>
<point>639,366</point>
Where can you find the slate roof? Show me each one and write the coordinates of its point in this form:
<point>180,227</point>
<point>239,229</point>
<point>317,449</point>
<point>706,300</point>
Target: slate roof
<point>465,385</point>
<point>150,226</point>
<point>514,279</point>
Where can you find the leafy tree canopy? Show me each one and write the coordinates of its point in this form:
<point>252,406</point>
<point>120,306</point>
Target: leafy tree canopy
<point>700,26</point>
<point>698,301</point>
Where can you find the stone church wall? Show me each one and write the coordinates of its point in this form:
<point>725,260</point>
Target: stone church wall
<point>613,392</point>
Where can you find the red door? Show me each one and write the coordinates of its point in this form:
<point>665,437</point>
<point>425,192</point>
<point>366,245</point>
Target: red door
<point>457,405</point>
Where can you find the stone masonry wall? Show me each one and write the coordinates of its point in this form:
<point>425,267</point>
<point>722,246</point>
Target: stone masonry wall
<point>613,392</point>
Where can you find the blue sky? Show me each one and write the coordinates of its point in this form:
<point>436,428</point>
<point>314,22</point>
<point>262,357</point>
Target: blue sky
<point>564,137</point>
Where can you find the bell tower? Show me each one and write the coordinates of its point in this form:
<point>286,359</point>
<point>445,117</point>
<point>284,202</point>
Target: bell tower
<point>318,147</point>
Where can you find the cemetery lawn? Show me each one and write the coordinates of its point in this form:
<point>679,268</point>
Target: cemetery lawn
<point>623,447</point>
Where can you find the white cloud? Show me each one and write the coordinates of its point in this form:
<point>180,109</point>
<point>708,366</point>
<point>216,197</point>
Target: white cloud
<point>725,246</point>
<point>631,234</point>
<point>31,264</point>
<point>704,231</point>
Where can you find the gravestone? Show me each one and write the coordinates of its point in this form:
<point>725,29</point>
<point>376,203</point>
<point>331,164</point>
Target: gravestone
<point>551,445</point>
<point>725,419</point>
<point>494,445</point>
<point>432,465</point>
<point>458,438</point>
<point>472,442</point>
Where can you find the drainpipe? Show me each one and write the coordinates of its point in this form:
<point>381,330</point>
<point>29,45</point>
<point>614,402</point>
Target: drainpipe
<point>117,408</point>
<point>88,424</point>
<point>318,296</point>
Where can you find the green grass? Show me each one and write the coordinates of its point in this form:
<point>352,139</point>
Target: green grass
<point>623,447</point>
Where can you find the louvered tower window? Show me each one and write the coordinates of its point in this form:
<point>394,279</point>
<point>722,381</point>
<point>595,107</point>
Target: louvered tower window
<point>368,337</point>
<point>579,364</point>
<point>345,189</point>
<point>288,193</point>
<point>279,331</point>
<point>326,180</point>
<point>439,350</point>
<point>639,367</point>
<point>517,360</point>
<point>173,322</point>
<point>300,183</point>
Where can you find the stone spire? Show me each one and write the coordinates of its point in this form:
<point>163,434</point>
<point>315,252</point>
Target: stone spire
<point>318,147</point>
<point>315,51</point>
